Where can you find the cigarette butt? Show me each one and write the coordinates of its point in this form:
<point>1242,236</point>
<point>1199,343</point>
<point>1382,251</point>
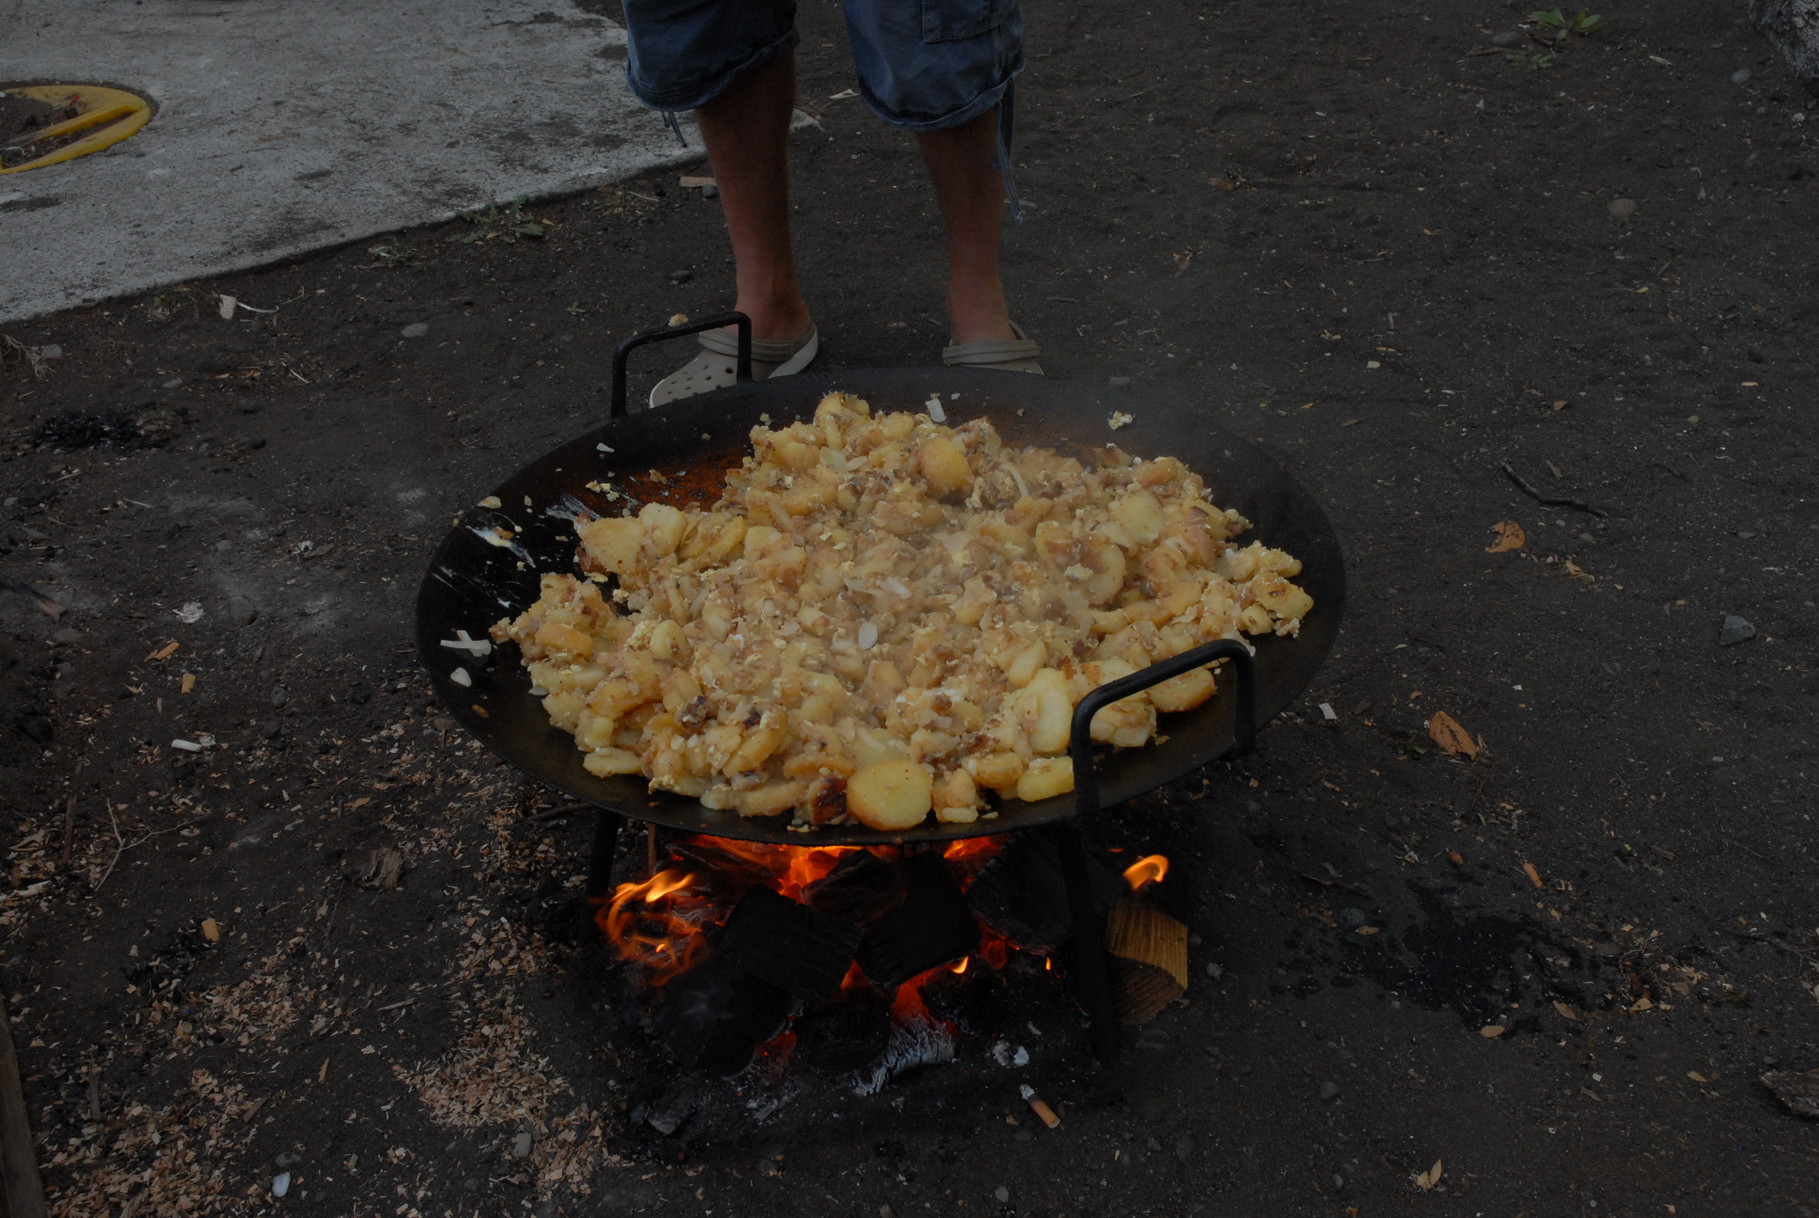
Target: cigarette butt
<point>211,930</point>
<point>165,652</point>
<point>1041,1109</point>
<point>188,683</point>
<point>1534,876</point>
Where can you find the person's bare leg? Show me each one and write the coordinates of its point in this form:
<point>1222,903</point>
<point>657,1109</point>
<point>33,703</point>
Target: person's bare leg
<point>746,129</point>
<point>970,194</point>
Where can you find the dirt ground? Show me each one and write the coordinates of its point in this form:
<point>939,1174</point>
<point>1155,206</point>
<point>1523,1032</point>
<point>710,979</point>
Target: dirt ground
<point>1415,253</point>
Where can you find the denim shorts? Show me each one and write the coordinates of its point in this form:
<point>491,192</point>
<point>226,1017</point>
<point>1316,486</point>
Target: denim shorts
<point>923,64</point>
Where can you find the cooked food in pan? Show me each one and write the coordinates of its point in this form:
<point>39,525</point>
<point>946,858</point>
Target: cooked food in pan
<point>885,617</point>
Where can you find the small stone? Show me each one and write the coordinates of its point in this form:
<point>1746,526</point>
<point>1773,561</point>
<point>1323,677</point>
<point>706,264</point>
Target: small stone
<point>1184,1147</point>
<point>1351,917</point>
<point>242,611</point>
<point>1338,1180</point>
<point>1741,76</point>
<point>176,382</point>
<point>1215,971</point>
<point>1002,1193</point>
<point>281,1184</point>
<point>223,546</point>
<point>417,329</point>
<point>289,1158</point>
<point>1734,630</point>
<point>681,276</point>
<point>280,695</point>
<point>1588,539</point>
<point>1119,382</point>
<point>1623,209</point>
<point>521,1146</point>
<point>50,351</point>
<point>1329,1091</point>
<point>67,636</point>
<point>710,191</point>
<point>1508,38</point>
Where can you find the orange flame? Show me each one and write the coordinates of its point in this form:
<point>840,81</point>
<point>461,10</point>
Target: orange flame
<point>792,868</point>
<point>1149,869</point>
<point>659,924</point>
<point>645,926</point>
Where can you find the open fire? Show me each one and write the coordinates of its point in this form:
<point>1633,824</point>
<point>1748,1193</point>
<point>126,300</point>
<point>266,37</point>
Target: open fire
<point>831,953</point>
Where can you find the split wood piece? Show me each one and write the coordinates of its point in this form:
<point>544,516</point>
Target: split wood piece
<point>846,1033</point>
<point>861,888</point>
<point>789,945</point>
<point>729,871</point>
<point>1149,959</point>
<point>932,927</point>
<point>1022,893</point>
<point>19,1183</point>
<point>714,1016</point>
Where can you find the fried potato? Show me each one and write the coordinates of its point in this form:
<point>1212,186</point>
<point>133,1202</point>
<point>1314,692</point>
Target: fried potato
<point>891,795</point>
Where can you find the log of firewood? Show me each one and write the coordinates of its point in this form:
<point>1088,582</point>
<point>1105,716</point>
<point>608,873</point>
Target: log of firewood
<point>1148,958</point>
<point>19,1183</point>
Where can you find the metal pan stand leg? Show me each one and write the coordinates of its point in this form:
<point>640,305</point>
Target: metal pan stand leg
<point>1092,979</point>
<point>600,861</point>
<point>1091,969</point>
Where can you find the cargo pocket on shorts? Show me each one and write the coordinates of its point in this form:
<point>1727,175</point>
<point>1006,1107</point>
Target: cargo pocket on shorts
<point>953,20</point>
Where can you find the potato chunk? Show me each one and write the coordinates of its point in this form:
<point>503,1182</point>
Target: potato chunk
<point>612,541</point>
<point>891,795</point>
<point>1046,778</point>
<point>944,468</point>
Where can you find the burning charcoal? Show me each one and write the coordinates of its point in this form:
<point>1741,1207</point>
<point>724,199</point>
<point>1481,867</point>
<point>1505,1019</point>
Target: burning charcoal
<point>932,927</point>
<point>975,999</point>
<point>789,945</point>
<point>1022,893</point>
<point>714,1016</point>
<point>860,889</point>
<point>731,864</point>
<point>847,1033</point>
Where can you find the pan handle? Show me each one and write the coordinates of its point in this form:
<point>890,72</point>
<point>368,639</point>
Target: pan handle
<point>1080,739</point>
<point>686,328</point>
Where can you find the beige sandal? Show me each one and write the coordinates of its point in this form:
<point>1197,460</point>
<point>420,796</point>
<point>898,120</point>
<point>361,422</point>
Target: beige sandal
<point>1007,354</point>
<point>717,365</point>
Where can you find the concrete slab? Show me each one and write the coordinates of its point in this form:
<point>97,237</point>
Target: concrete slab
<point>284,128</point>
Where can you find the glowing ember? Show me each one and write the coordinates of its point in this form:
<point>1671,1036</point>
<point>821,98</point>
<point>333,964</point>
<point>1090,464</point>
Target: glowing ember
<point>1147,870</point>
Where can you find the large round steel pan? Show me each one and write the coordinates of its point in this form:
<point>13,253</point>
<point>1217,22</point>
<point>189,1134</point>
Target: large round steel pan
<point>679,454</point>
